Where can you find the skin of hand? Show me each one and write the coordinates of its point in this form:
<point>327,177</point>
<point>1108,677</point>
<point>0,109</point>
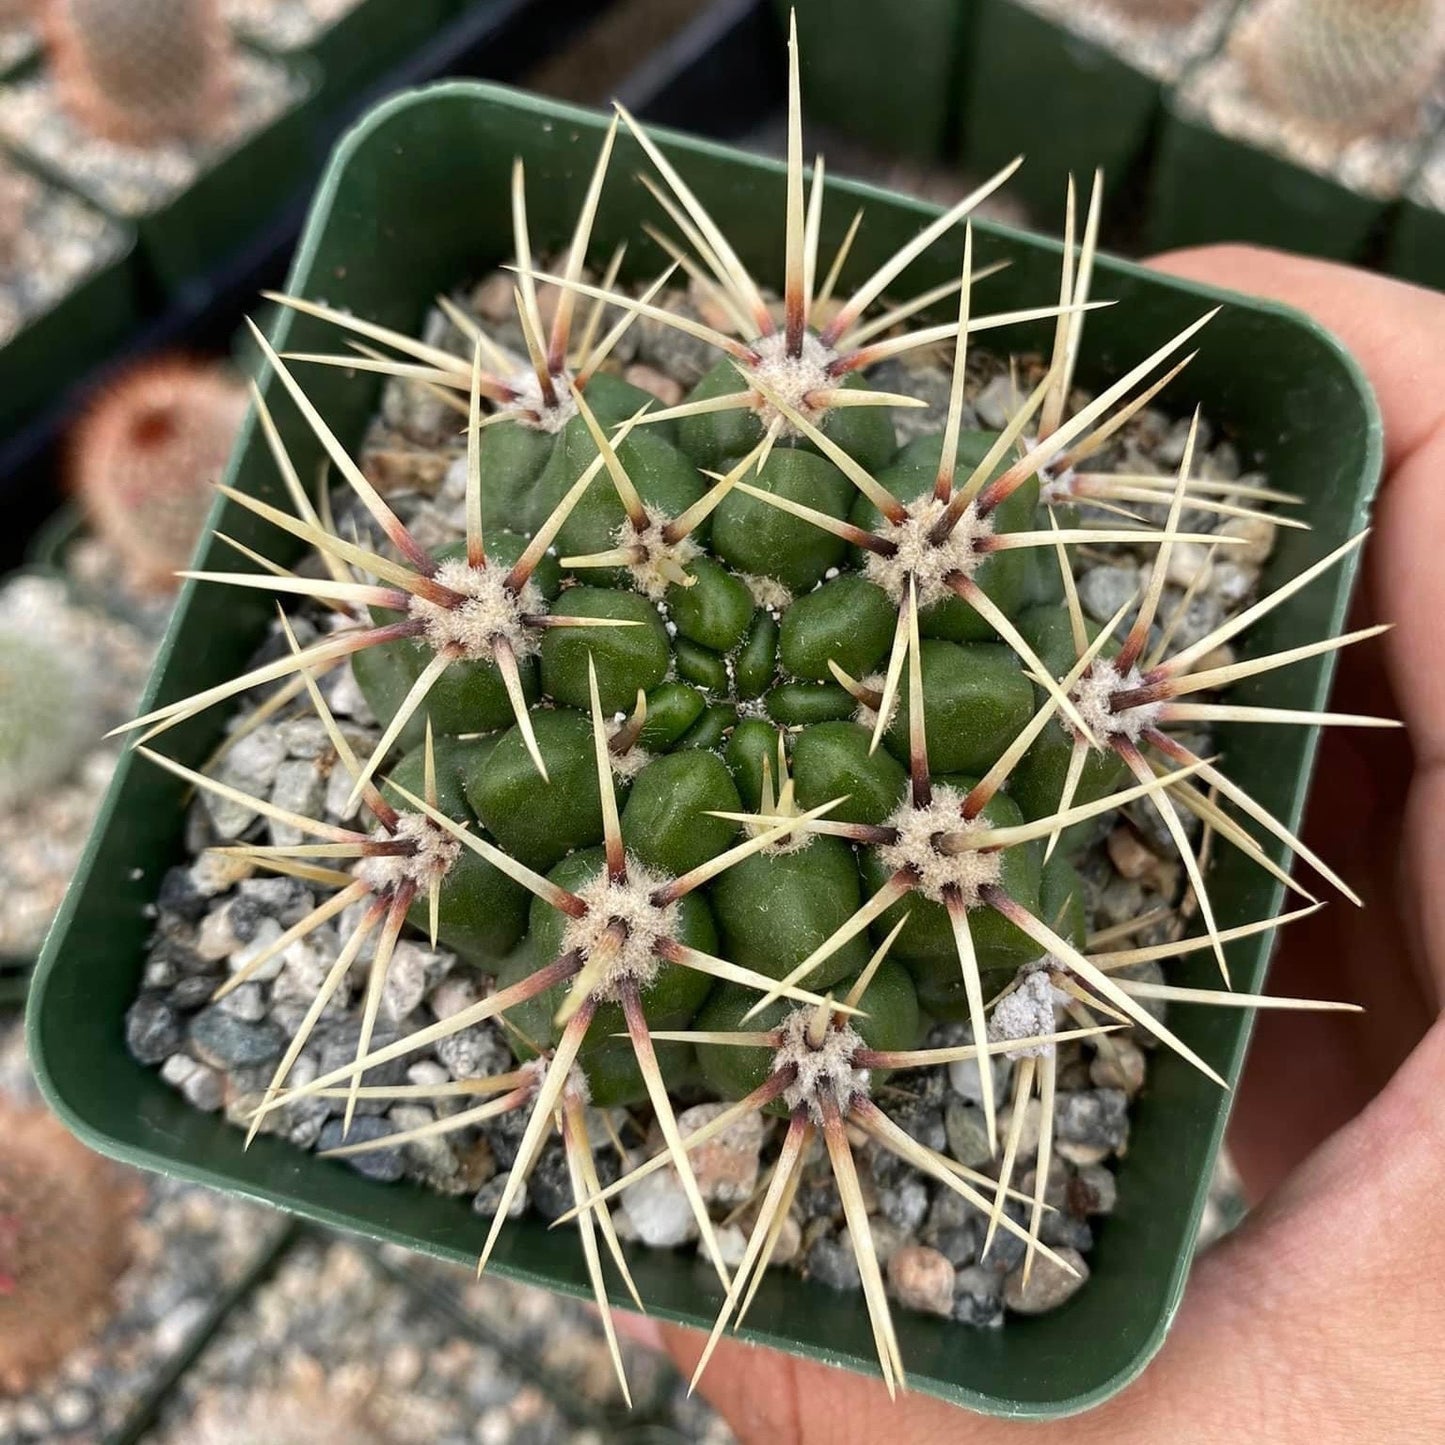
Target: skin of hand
<point>1321,1320</point>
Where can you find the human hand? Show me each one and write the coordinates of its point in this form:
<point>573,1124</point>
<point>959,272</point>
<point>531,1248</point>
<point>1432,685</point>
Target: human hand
<point>1322,1318</point>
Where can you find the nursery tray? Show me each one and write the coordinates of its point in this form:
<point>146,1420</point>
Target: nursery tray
<point>413,201</point>
<point>883,74</point>
<point>1209,187</point>
<point>1065,102</point>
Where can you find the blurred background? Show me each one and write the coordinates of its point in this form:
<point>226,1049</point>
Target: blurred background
<point>156,159</point>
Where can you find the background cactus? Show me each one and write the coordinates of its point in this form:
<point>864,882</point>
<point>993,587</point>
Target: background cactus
<point>146,457</point>
<point>49,715</point>
<point>142,72</point>
<point>1346,67</point>
<point>64,1218</point>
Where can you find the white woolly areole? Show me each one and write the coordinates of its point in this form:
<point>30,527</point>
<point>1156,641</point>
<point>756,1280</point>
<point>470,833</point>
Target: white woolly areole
<point>827,1066</point>
<point>792,377</point>
<point>1025,1013</point>
<point>1057,489</point>
<point>867,716</point>
<point>627,765</point>
<point>940,874</point>
<point>436,852</point>
<point>648,575</point>
<point>918,556</point>
<point>1094,692</point>
<point>767,592</point>
<point>532,410</point>
<point>490,611</point>
<point>643,924</point>
<point>576,1089</point>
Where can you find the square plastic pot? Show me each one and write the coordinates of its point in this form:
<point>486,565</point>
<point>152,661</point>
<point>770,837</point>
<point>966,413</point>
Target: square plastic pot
<point>881,73</point>
<point>413,202</point>
<point>1065,102</point>
<point>364,44</point>
<point>1210,187</point>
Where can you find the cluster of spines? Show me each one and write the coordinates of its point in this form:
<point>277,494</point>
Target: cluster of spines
<point>944,850</point>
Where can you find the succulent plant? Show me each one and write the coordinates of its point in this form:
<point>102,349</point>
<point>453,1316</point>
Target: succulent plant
<point>142,72</point>
<point>49,716</point>
<point>1343,67</point>
<point>745,762</point>
<point>64,1223</point>
<point>145,459</point>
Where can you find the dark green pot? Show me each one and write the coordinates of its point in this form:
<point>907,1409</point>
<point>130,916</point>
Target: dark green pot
<point>1210,187</point>
<point>1416,248</point>
<point>1064,102</point>
<point>413,201</point>
<point>860,58</point>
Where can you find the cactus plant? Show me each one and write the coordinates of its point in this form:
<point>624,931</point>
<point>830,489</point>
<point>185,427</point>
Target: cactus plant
<point>1343,67</point>
<point>145,458</point>
<point>64,1221</point>
<point>142,72</point>
<point>777,810</point>
<point>48,710</point>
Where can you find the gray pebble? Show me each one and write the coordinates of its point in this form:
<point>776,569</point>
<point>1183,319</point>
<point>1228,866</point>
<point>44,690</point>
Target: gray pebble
<point>1104,590</point>
<point>978,1297</point>
<point>1061,1228</point>
<point>381,1164</point>
<point>287,900</point>
<point>831,1262</point>
<point>250,766</point>
<point>152,1029</point>
<point>247,1003</point>
<point>226,1042</point>
<point>474,1053</point>
<point>550,1184</point>
<point>659,1210</point>
<point>205,1089</point>
<point>967,1134</point>
<point>1091,1125</point>
<point>489,1196</point>
<point>300,788</point>
<point>958,1244</point>
<point>905,1205</point>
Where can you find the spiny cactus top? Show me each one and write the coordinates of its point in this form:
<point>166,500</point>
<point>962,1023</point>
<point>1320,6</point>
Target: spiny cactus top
<point>142,72</point>
<point>1346,67</point>
<point>734,731</point>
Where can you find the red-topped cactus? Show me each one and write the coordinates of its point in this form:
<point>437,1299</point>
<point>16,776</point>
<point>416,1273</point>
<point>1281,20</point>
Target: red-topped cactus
<point>142,72</point>
<point>146,457</point>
